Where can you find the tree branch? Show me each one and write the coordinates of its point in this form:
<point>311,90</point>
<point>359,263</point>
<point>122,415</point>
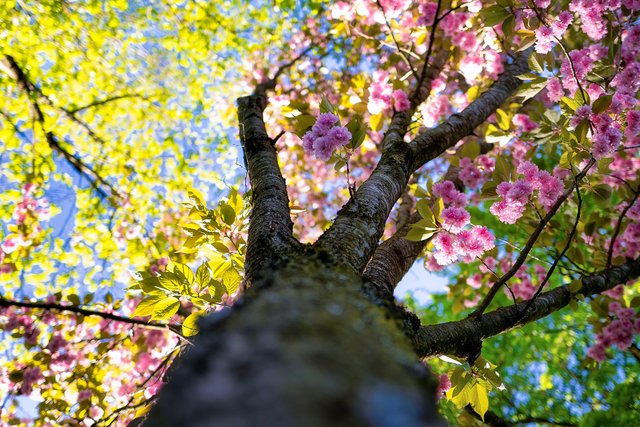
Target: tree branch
<point>460,337</point>
<point>522,257</point>
<point>270,225</point>
<point>395,256</point>
<point>435,141</point>
<point>354,235</point>
<point>86,312</point>
<point>97,182</point>
<point>100,102</point>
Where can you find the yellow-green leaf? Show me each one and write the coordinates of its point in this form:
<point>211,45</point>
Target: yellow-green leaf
<point>190,324</point>
<point>165,308</point>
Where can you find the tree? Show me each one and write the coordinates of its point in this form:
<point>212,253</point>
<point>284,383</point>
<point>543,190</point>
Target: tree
<point>495,141</point>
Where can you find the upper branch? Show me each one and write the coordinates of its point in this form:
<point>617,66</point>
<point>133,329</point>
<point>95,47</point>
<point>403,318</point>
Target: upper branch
<point>462,336</point>
<point>270,225</point>
<point>360,223</point>
<point>430,144</point>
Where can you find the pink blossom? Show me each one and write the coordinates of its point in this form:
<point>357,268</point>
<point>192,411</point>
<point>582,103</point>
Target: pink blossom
<point>582,113</point>
<point>544,39</point>
<point>562,23</point>
<point>551,189</point>
<point>449,194</point>
<point>524,123</point>
<point>454,219</point>
<point>475,281</point>
<point>426,13</point>
<point>447,248</point>
<point>340,136</point>
<point>554,90</point>
<point>324,122</point>
<point>469,174</point>
<point>507,212</point>
<point>444,384</point>
<point>400,100</point>
<point>84,395</point>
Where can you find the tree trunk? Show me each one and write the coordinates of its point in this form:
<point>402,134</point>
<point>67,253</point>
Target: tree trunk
<point>303,348</point>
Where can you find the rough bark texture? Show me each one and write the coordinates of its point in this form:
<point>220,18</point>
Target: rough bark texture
<point>464,336</point>
<point>270,226</point>
<point>305,348</point>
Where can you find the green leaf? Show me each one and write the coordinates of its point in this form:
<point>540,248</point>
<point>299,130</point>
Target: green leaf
<point>601,104</point>
<point>418,234</point>
<point>470,149</point>
<point>530,89</point>
<point>358,131</point>
<point>146,306</point>
<point>203,275</point>
<point>190,324</point>
<point>74,299</point>
<point>479,398</point>
<point>438,207</point>
<point>535,63</point>
<point>169,281</point>
<point>602,192</point>
<point>494,15</point>
<point>502,169</point>
<point>231,280</point>
<point>575,286</point>
<point>326,106</point>
<point>165,308</point>
<point>376,122</point>
<point>184,272</point>
<point>228,214</point>
<point>503,119</point>
<point>424,210</point>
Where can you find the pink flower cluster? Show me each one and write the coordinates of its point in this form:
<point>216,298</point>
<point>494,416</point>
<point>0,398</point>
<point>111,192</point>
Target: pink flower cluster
<point>472,175</point>
<point>525,289</point>
<point>382,95</point>
<point>516,195</point>
<point>27,214</point>
<point>454,241</point>
<point>546,35</point>
<point>619,332</point>
<point>444,384</point>
<point>426,13</point>
<point>607,135</point>
<point>325,136</point>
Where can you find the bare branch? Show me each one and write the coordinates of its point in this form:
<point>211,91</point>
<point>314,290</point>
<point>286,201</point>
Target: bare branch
<point>530,243</point>
<point>100,102</point>
<point>86,312</point>
<point>98,182</point>
<point>462,336</point>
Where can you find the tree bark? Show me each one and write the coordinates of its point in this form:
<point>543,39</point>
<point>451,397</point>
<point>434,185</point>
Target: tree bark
<point>305,347</point>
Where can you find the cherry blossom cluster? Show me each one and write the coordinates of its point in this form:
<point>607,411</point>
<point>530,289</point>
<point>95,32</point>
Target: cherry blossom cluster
<point>28,214</point>
<point>454,240</point>
<point>516,195</point>
<point>444,385</point>
<point>525,289</point>
<point>547,35</point>
<point>67,346</point>
<point>325,136</point>
<point>473,172</point>
<point>382,96</point>
<point>619,332</point>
